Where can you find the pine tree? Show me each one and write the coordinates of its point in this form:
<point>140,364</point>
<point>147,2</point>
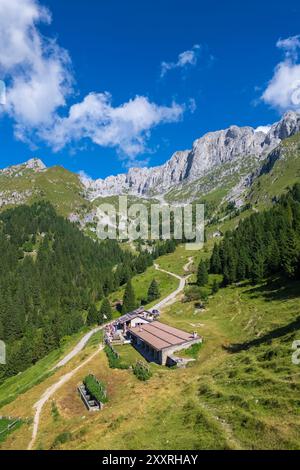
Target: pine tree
<point>129,300</point>
<point>153,291</point>
<point>215,287</point>
<point>105,314</point>
<point>49,338</point>
<point>202,275</point>
<point>290,253</point>
<point>92,318</point>
<point>257,269</point>
<point>215,262</point>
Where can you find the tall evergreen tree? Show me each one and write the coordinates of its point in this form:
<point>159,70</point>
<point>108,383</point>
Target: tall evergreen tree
<point>129,300</point>
<point>215,261</point>
<point>105,314</point>
<point>153,291</point>
<point>202,275</point>
<point>215,287</point>
<point>92,318</point>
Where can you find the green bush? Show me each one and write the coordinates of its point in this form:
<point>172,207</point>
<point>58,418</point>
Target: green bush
<point>54,411</point>
<point>62,438</point>
<point>142,371</point>
<point>95,388</point>
<point>191,294</point>
<point>28,247</point>
<point>114,360</point>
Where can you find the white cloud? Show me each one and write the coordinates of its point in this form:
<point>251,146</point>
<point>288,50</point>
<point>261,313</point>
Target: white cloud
<point>290,46</point>
<point>283,90</point>
<point>125,127</point>
<point>39,78</point>
<point>186,58</point>
<point>264,129</point>
<point>37,69</point>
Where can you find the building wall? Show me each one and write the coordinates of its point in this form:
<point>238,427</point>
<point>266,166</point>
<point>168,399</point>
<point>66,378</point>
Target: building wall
<point>138,321</point>
<point>173,349</point>
<point>161,356</point>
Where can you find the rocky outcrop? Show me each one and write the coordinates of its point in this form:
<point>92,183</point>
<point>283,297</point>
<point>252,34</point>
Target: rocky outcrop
<point>211,150</point>
<point>33,165</point>
<point>12,198</point>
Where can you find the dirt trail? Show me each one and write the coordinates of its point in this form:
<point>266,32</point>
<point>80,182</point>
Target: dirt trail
<point>79,346</point>
<point>186,268</point>
<point>50,392</point>
<point>182,280</point>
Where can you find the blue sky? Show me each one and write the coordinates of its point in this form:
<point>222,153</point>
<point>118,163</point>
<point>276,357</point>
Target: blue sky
<point>119,47</point>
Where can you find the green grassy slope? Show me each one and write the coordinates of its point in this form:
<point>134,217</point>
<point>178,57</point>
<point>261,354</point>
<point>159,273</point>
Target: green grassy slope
<point>57,185</point>
<point>276,180</point>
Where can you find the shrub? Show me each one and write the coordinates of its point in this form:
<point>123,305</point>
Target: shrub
<point>62,438</point>
<point>114,360</point>
<point>191,294</point>
<point>95,388</point>
<point>195,293</point>
<point>142,371</point>
<point>54,411</point>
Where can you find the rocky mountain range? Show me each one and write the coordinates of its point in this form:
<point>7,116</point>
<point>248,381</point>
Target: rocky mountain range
<point>238,164</point>
<point>209,152</point>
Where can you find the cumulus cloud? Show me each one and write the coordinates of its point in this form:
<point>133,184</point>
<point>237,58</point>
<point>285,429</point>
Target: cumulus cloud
<point>283,90</point>
<point>37,69</point>
<point>185,59</point>
<point>38,72</point>
<point>264,129</point>
<point>125,127</point>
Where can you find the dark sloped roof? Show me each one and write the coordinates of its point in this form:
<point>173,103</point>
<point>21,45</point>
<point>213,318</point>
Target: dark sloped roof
<point>129,316</point>
<point>161,336</point>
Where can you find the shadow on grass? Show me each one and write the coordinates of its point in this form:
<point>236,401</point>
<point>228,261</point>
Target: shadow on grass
<point>275,289</point>
<point>268,337</point>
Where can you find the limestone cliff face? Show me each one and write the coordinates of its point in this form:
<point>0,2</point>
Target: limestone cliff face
<point>141,181</point>
<point>211,150</point>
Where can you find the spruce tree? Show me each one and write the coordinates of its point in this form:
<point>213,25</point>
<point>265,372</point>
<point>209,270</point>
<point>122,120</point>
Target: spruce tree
<point>129,300</point>
<point>290,253</point>
<point>153,291</point>
<point>215,262</point>
<point>92,318</point>
<point>202,275</point>
<point>257,269</point>
<point>49,338</point>
<point>215,287</point>
<point>105,314</point>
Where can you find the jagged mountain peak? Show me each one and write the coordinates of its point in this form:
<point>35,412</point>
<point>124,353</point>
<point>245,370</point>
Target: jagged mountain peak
<point>210,151</point>
<point>34,164</point>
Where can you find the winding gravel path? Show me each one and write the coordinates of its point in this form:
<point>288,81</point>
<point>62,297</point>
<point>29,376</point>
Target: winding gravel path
<point>79,347</point>
<point>48,394</point>
<point>182,281</point>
